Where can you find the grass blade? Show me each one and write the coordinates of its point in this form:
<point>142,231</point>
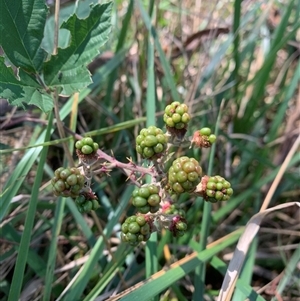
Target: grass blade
<point>17,281</point>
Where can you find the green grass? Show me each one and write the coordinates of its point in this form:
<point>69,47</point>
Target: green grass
<point>244,85</point>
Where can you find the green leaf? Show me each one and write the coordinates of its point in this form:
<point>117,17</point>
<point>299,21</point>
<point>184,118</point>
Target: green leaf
<point>21,32</point>
<point>82,9</point>
<point>23,89</point>
<point>68,69</point>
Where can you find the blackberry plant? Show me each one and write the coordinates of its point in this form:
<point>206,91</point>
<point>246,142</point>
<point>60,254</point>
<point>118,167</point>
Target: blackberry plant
<point>172,174</point>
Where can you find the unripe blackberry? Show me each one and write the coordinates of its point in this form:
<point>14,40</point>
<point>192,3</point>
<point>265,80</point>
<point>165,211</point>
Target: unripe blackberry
<point>178,226</point>
<point>135,229</point>
<point>67,182</point>
<point>173,209</point>
<point>184,175</point>
<point>87,146</point>
<point>85,204</point>
<point>203,138</point>
<point>216,189</point>
<point>176,118</point>
<point>146,198</point>
<point>151,142</point>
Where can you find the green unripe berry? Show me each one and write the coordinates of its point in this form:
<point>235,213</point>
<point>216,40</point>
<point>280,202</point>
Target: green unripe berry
<point>139,139</point>
<point>145,209</point>
<point>181,176</point>
<point>80,180</point>
<point>95,146</point>
<point>178,188</point>
<point>159,148</point>
<point>88,141</point>
<point>226,184</point>
<point>169,122</point>
<point>96,204</point>
<point>75,189</point>
<point>181,109</point>
<point>212,138</point>
<point>218,195</point>
<point>188,167</point>
<point>64,174</point>
<point>87,206</point>
<point>153,189</point>
<point>225,197</point>
<point>219,186</point>
<point>80,200</point>
<point>134,227</point>
<point>131,237</point>
<point>60,186</point>
<point>154,200</point>
<point>150,140</point>
<point>179,126</point>
<point>211,185</point>
<point>131,219</point>
<point>229,191</point>
<point>72,180</point>
<point>151,130</point>
<point>148,152</point>
<point>210,193</point>
<point>205,131</point>
<point>181,226</point>
<point>58,171</point>
<point>176,118</point>
<point>185,118</point>
<point>193,176</point>
<point>139,201</point>
<point>87,149</point>
<point>161,138</point>
<point>140,220</point>
<point>124,228</point>
<point>145,229</point>
<point>144,192</point>
<point>79,144</point>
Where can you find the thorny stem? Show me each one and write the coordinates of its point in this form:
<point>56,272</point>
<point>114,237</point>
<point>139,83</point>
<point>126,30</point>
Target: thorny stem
<point>130,169</point>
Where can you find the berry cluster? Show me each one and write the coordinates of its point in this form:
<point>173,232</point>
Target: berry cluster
<point>146,198</point>
<point>151,142</point>
<point>86,203</point>
<point>156,202</point>
<point>67,182</point>
<point>70,182</point>
<point>216,188</point>
<point>136,229</point>
<point>176,118</point>
<point>87,146</point>
<point>184,175</point>
<point>178,226</point>
<point>176,115</point>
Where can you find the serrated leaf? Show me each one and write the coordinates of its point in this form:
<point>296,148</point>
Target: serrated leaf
<point>68,68</point>
<point>82,9</point>
<point>21,32</point>
<point>24,90</point>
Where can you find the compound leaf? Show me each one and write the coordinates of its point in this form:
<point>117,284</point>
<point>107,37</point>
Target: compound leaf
<point>21,32</point>
<point>67,69</point>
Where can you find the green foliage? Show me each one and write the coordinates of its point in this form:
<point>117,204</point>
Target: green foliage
<point>37,73</point>
<point>21,33</point>
<point>241,79</point>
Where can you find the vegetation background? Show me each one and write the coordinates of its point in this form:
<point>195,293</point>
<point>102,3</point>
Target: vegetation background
<point>236,65</point>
